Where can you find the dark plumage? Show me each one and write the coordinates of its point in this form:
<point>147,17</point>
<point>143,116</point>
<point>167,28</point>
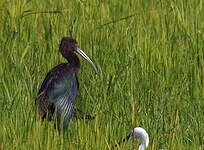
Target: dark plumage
<point>59,88</point>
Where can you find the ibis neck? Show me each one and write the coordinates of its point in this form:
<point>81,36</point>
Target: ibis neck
<point>73,60</point>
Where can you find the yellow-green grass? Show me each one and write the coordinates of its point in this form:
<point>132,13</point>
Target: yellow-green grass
<point>151,57</point>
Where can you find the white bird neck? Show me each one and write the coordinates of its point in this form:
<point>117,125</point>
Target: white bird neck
<point>141,146</point>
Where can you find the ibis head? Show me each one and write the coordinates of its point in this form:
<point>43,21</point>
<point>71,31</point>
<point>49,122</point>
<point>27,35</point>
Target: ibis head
<point>68,46</point>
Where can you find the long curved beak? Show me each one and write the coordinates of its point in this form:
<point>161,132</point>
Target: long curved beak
<point>79,51</point>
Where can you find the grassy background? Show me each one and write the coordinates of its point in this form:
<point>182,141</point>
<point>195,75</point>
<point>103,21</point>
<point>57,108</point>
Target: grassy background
<point>151,56</point>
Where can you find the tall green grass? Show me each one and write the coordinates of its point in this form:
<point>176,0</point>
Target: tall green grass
<point>151,57</point>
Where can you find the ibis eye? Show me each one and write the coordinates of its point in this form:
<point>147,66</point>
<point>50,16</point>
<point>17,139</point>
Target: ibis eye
<point>72,41</point>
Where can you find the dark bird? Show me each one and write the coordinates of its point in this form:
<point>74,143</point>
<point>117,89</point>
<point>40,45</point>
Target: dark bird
<point>60,86</point>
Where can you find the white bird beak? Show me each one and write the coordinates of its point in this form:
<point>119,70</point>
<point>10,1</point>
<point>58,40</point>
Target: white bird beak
<point>79,51</point>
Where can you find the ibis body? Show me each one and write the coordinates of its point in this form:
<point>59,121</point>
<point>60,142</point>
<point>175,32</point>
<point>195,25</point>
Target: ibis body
<point>59,88</point>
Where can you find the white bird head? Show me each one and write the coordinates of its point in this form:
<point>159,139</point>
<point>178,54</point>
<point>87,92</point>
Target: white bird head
<point>141,134</point>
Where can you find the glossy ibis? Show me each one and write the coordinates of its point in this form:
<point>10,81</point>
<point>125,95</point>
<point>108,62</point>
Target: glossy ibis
<point>59,88</point>
<point>140,133</point>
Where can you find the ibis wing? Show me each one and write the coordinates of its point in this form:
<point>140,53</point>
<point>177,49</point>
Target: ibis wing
<point>64,106</point>
<point>64,100</point>
<point>44,106</point>
<point>60,88</point>
<point>52,75</point>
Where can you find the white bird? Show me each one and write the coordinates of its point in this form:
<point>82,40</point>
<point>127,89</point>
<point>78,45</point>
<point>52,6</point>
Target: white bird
<point>141,134</point>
